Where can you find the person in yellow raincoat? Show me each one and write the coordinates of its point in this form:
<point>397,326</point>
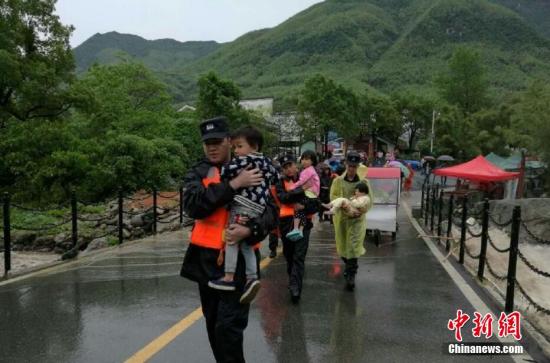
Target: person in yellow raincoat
<point>350,231</point>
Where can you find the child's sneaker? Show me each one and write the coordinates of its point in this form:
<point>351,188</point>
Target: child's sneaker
<point>221,284</point>
<point>250,291</point>
<point>295,235</point>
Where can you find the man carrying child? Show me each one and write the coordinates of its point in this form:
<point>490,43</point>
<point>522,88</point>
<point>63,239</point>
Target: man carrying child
<point>248,203</point>
<point>205,199</point>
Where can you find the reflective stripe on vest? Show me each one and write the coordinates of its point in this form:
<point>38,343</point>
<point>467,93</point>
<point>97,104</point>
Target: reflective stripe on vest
<point>287,210</point>
<point>208,232</point>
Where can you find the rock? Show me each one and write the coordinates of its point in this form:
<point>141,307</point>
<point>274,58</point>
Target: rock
<point>112,221</point>
<point>163,227</point>
<point>127,223</point>
<point>126,233</point>
<point>66,245</point>
<point>44,242</point>
<point>58,250</point>
<point>44,249</point>
<point>97,243</point>
<point>113,206</point>
<point>23,238</point>
<point>111,229</point>
<point>60,238</point>
<point>61,242</point>
<point>137,232</point>
<point>137,221</point>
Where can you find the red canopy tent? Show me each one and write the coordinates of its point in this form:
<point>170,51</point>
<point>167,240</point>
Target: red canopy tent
<point>478,169</point>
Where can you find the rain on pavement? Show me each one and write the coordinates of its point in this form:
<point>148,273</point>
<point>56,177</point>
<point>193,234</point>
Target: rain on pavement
<point>108,306</point>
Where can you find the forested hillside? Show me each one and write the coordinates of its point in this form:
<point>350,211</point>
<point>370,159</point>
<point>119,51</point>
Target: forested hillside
<point>387,45</point>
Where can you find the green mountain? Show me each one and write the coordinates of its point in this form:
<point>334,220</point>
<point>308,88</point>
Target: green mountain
<point>157,54</point>
<point>535,12</point>
<point>514,54</point>
<point>382,44</point>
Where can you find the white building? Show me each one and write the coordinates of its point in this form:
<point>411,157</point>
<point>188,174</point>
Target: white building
<point>262,105</point>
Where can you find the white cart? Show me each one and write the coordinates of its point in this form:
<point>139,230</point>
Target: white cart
<point>386,189</point>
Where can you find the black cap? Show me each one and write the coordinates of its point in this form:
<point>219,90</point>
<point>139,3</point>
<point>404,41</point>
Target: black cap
<point>353,158</point>
<point>286,159</point>
<point>215,128</point>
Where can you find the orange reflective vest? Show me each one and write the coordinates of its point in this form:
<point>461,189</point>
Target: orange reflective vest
<point>286,210</point>
<point>209,232</point>
<point>273,190</point>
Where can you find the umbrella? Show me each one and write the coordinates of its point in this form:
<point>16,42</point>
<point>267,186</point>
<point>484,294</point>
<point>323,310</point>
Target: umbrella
<point>445,158</point>
<point>397,164</point>
<point>428,157</point>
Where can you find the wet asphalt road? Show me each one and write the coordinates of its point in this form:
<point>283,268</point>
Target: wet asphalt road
<point>109,306</point>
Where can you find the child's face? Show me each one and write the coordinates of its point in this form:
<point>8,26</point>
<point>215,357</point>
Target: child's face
<point>359,193</point>
<point>306,163</point>
<point>241,147</point>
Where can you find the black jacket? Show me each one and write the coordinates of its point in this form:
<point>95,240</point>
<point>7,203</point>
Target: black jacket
<point>290,196</point>
<point>200,263</point>
<point>297,195</point>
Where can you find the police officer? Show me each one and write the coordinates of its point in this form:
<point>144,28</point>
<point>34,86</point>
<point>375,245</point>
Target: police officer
<point>294,251</point>
<point>205,199</point>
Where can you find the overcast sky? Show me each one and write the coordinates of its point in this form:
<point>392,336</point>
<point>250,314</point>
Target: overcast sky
<point>183,20</point>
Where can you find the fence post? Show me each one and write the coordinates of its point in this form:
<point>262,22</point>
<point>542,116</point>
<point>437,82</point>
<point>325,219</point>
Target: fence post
<point>463,228</point>
<point>513,257</point>
<point>427,209</point>
<point>439,216</point>
<point>484,235</point>
<point>450,222</point>
<point>422,200</point>
<point>7,234</point>
<point>155,210</point>
<point>434,196</point>
<point>120,216</point>
<point>74,217</point>
<point>181,205</point>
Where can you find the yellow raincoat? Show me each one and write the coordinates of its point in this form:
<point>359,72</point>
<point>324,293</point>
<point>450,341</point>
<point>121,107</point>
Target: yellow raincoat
<point>350,232</point>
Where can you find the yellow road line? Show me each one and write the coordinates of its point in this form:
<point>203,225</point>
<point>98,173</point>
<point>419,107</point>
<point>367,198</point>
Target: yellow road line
<point>165,338</point>
<point>156,345</point>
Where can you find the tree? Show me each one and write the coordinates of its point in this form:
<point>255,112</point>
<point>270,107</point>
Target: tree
<point>128,130</point>
<point>416,114</point>
<point>36,61</point>
<point>325,106</point>
<point>531,120</point>
<point>464,84</point>
<point>455,134</point>
<point>123,136</point>
<point>381,116</point>
<point>492,129</point>
<point>218,97</point>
